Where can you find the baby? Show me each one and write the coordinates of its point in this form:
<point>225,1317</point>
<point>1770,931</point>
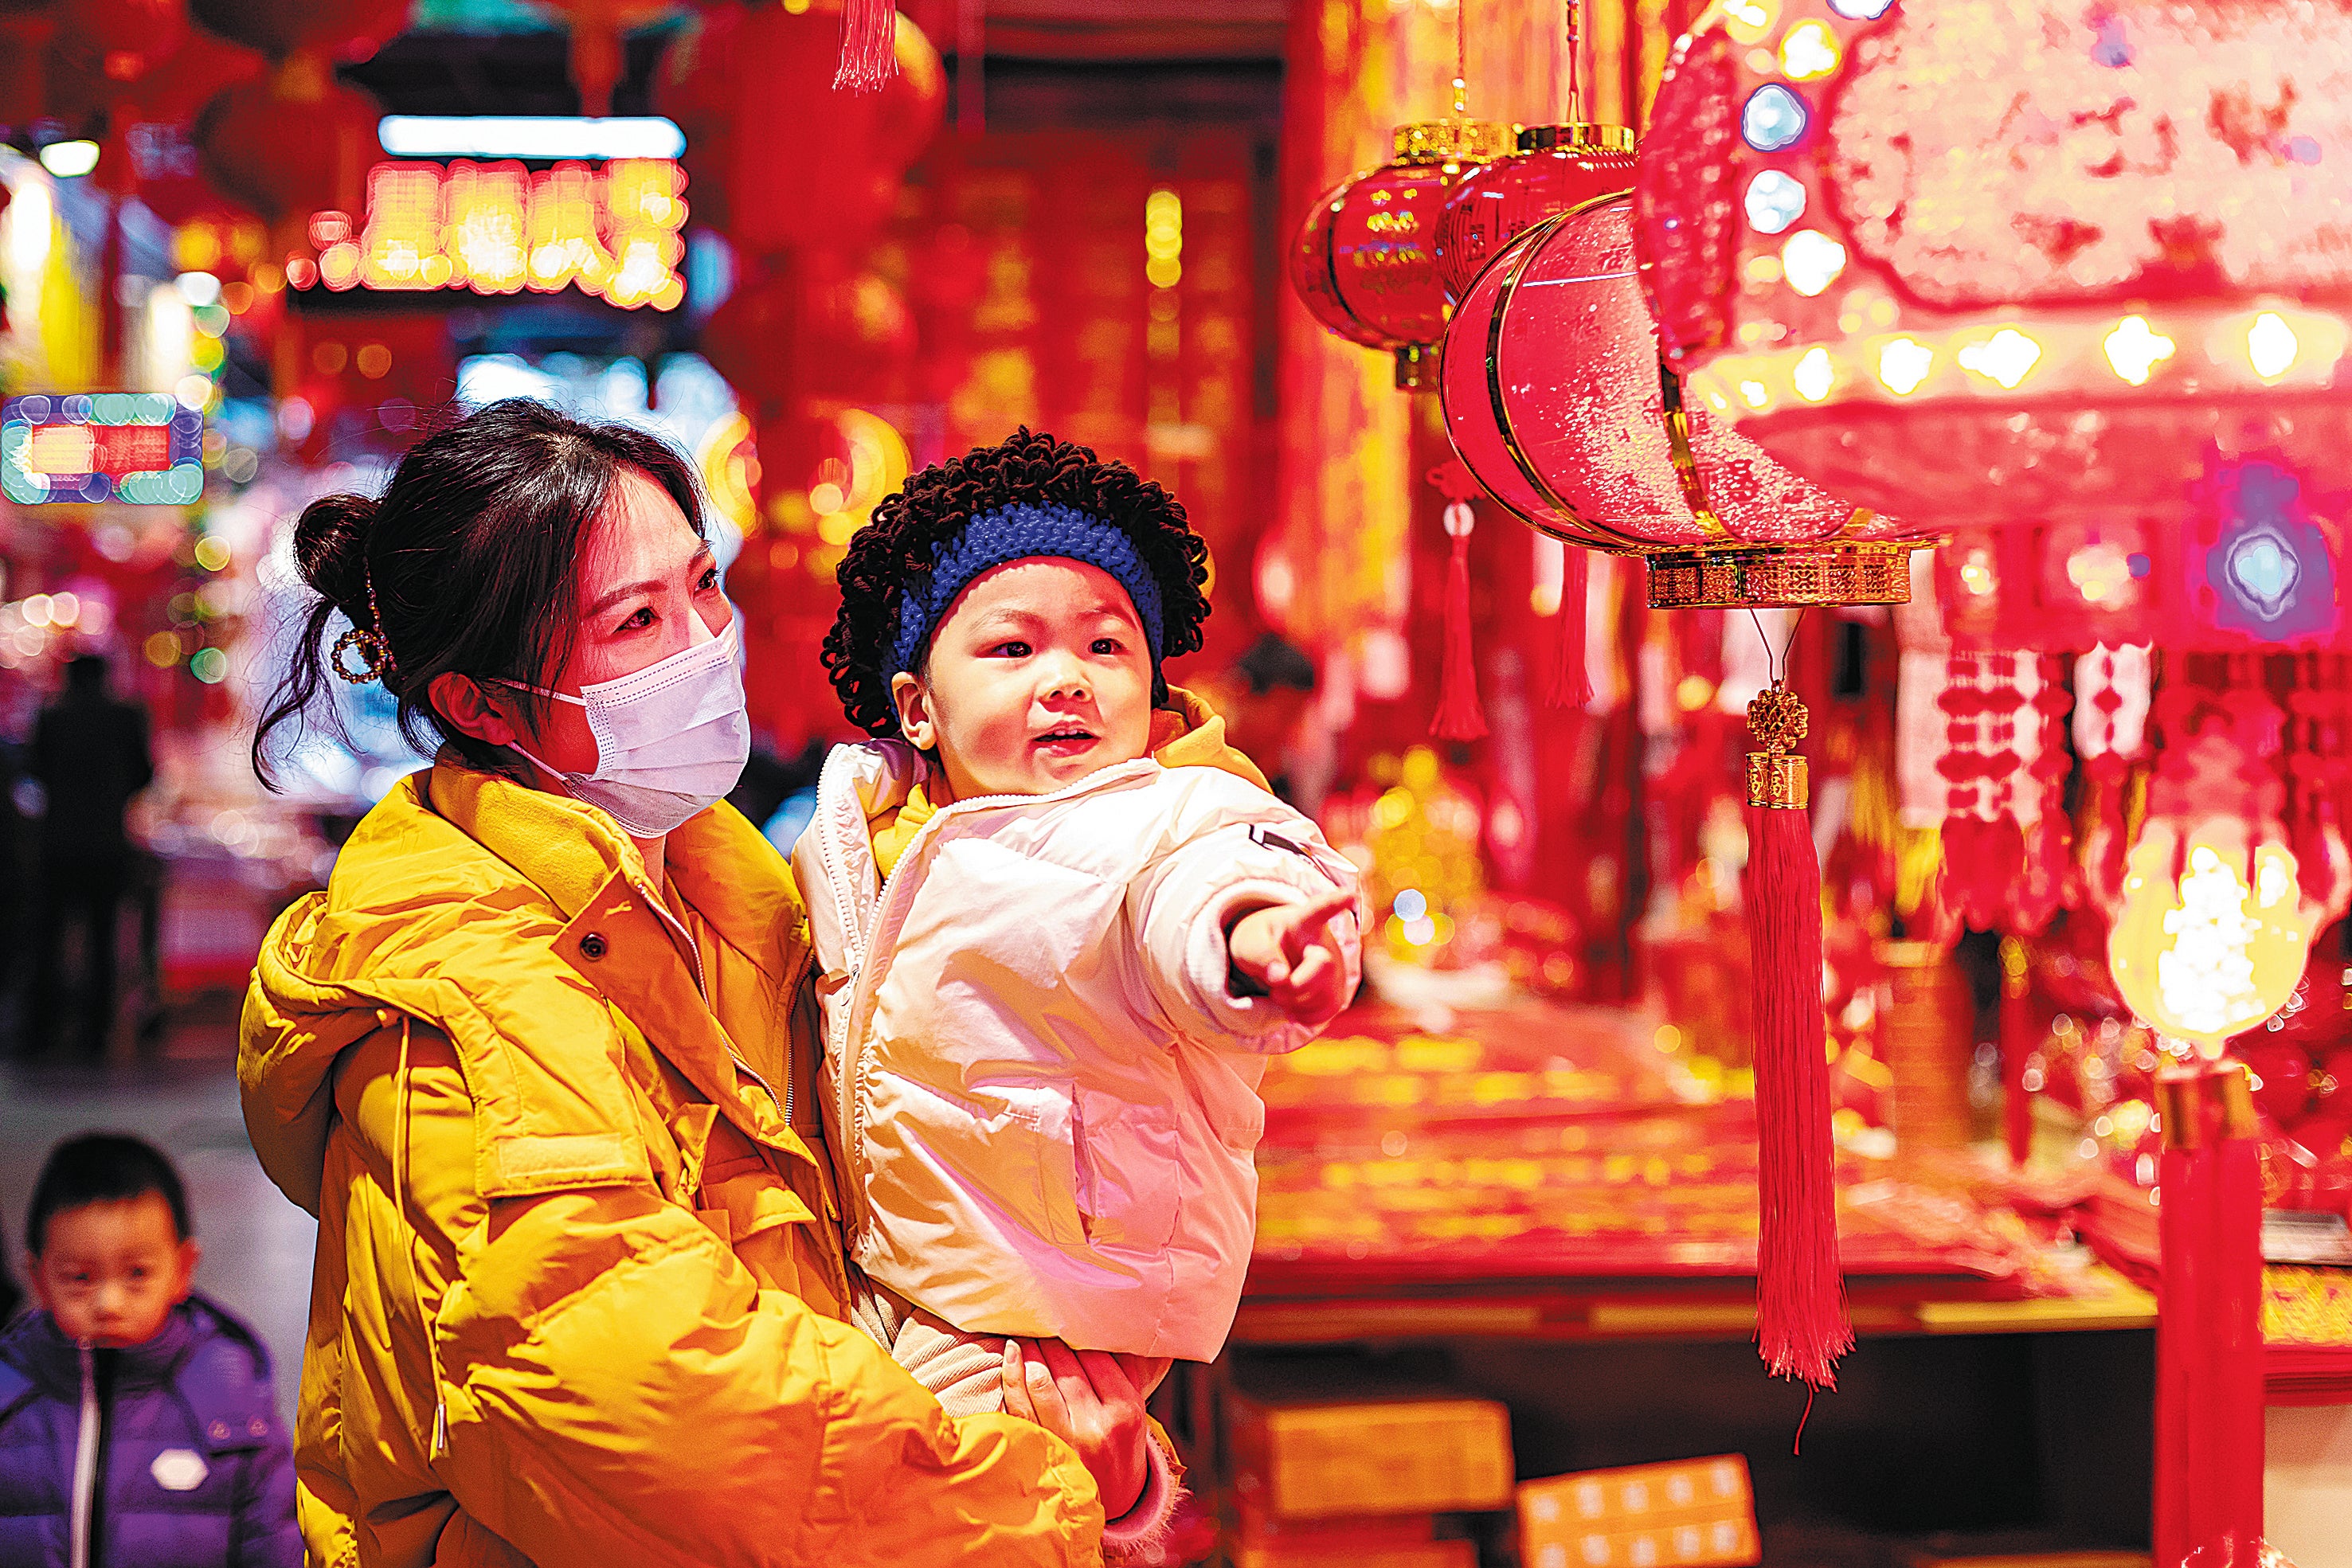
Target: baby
<point>1060,925</point>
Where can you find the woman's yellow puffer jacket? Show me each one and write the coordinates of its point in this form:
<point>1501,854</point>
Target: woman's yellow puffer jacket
<point>579,1281</point>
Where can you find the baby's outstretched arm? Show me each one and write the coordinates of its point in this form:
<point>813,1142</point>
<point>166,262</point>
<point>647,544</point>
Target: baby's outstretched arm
<point>1289,952</point>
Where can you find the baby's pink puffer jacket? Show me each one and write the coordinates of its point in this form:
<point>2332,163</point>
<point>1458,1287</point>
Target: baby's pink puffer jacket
<point>1044,1095</point>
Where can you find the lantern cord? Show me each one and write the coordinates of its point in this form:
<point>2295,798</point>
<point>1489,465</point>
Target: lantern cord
<point>1461,59</point>
<point>1776,664</point>
<point>1575,63</point>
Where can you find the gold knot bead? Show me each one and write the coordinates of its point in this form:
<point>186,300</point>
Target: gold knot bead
<point>1778,775</point>
<point>1777,719</point>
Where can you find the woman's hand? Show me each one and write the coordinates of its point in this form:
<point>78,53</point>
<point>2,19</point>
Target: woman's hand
<point>1287,951</point>
<point>1093,1401</point>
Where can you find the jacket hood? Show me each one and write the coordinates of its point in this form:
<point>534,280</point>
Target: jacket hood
<point>451,904</point>
<point>1189,733</point>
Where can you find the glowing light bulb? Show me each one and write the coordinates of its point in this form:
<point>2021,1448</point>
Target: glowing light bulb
<point>1750,20</point>
<point>1753,394</point>
<point>2271,346</point>
<point>1810,52</point>
<point>2006,357</point>
<point>1903,365</point>
<point>1811,261</point>
<point>1773,119</point>
<point>2211,954</point>
<point>2134,350</point>
<point>1774,201</point>
<point>70,160</point>
<point>1813,376</point>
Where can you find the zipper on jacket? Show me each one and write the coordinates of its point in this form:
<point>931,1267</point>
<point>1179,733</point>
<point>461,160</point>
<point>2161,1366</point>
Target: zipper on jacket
<point>853,1049</point>
<point>85,1476</point>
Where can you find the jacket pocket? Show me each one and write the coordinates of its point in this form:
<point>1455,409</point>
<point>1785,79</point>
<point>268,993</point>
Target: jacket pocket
<point>1130,1168</point>
<point>1008,1151</point>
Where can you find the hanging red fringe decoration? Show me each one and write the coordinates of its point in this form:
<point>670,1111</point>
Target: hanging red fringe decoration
<point>869,45</point>
<point>1572,683</point>
<point>1801,1320</point>
<point>2209,1337</point>
<point>1459,717</point>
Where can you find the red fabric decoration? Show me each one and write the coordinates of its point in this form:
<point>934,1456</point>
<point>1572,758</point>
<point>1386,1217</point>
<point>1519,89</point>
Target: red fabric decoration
<point>2209,1341</point>
<point>1572,683</point>
<point>1801,1320</point>
<point>869,45</point>
<point>1459,716</point>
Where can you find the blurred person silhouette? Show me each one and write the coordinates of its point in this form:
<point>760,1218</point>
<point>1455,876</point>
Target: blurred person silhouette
<point>1264,699</point>
<point>90,756</point>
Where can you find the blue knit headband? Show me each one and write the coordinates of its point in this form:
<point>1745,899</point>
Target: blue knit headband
<point>1015,533</point>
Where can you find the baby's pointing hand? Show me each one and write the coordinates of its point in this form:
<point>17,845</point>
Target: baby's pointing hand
<point>1287,950</point>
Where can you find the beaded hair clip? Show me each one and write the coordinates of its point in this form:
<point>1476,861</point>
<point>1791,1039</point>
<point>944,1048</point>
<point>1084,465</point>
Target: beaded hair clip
<point>372,644</point>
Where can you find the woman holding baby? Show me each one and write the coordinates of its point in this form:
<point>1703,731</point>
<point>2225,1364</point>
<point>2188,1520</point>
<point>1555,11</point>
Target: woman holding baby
<point>586,1103</point>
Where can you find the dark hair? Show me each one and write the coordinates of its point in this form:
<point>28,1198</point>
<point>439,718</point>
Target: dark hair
<point>471,557</point>
<point>101,1167</point>
<point>896,550</point>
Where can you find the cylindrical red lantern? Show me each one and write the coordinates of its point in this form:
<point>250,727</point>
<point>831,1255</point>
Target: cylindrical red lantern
<point>2077,292</point>
<point>1557,167</point>
<point>1555,399</point>
<point>1365,261</point>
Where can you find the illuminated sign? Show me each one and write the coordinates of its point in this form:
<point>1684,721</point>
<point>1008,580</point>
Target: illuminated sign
<point>499,228</point>
<point>139,448</point>
<point>543,136</point>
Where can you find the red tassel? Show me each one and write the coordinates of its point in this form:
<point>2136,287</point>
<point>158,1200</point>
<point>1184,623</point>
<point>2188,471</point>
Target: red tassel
<point>1572,683</point>
<point>2209,1338</point>
<point>869,45</point>
<point>1459,716</point>
<point>1801,1321</point>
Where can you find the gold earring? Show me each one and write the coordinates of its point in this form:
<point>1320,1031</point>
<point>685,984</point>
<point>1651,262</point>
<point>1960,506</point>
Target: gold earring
<point>370,647</point>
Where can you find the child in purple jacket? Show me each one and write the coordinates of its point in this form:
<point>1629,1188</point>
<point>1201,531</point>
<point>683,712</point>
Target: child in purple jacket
<point>137,1422</point>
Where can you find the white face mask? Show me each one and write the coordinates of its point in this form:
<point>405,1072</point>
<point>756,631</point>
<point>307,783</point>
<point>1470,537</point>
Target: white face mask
<point>670,739</point>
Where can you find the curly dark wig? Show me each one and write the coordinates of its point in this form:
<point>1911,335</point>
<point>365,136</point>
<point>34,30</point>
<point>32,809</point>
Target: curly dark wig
<point>896,549</point>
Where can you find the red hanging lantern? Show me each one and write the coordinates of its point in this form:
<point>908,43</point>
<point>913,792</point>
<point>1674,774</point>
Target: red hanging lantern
<point>120,42</point>
<point>1365,261</point>
<point>780,160</point>
<point>245,149</point>
<point>1554,398</point>
<point>1966,304</point>
<point>1557,167</point>
<point>820,328</point>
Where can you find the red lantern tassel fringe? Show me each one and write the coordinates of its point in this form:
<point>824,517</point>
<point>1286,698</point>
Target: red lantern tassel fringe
<point>869,45</point>
<point>1459,716</point>
<point>1572,683</point>
<point>2209,1338</point>
<point>1801,1319</point>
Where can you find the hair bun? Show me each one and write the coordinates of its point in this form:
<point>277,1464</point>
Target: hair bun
<point>330,547</point>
